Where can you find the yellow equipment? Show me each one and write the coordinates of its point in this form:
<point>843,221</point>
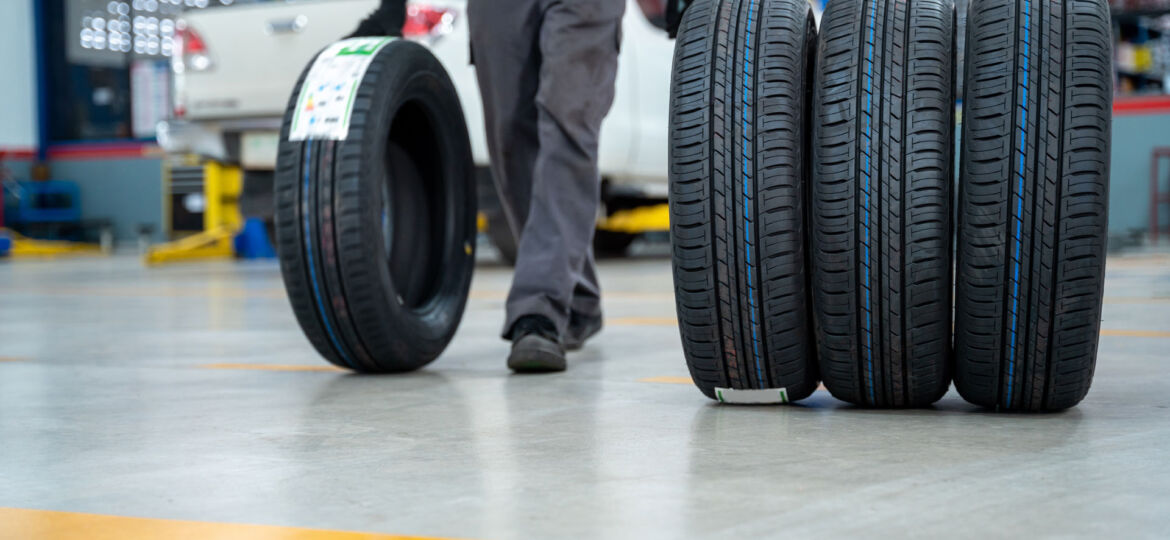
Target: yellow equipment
<point>643,219</point>
<point>638,220</point>
<point>23,246</point>
<point>222,185</point>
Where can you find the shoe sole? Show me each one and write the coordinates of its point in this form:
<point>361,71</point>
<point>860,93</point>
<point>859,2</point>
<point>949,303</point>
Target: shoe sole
<point>536,357</point>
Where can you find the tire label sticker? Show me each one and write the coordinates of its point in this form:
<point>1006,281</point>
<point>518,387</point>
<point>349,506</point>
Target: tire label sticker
<point>763,396</point>
<point>325,103</point>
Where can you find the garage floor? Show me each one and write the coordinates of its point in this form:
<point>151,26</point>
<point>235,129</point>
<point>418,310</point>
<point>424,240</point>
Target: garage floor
<point>188,393</point>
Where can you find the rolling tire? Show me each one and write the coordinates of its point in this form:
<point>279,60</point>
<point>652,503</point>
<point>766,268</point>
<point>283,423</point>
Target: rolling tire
<point>1033,195</point>
<point>883,131</point>
<point>737,189</point>
<point>376,233</point>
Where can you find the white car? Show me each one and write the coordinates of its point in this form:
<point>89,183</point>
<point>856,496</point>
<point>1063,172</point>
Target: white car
<point>235,67</point>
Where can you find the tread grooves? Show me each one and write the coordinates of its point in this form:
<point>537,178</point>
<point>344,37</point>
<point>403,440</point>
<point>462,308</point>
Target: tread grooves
<point>734,164</point>
<point>1025,295</point>
<point>882,142</point>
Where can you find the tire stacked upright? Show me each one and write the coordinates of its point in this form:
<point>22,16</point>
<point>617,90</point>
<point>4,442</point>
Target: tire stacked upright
<point>876,232</point>
<point>1032,204</point>
<point>882,143</point>
<point>737,197</point>
<point>375,220</point>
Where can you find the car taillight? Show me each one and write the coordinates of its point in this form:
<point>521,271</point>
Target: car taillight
<point>191,51</point>
<point>427,22</point>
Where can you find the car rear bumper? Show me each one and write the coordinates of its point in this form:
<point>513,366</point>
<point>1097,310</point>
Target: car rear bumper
<point>200,138</point>
<point>248,142</point>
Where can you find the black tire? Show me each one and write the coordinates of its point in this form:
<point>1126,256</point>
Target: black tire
<point>883,135</point>
<point>376,233</point>
<point>1033,194</point>
<point>737,193</point>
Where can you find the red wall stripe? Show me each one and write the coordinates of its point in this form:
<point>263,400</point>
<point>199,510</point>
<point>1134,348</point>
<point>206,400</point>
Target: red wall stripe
<point>86,151</point>
<point>18,153</point>
<point>1125,106</point>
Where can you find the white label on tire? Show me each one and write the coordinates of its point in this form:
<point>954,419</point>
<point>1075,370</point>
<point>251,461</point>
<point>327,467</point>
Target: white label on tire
<point>752,397</point>
<point>326,101</point>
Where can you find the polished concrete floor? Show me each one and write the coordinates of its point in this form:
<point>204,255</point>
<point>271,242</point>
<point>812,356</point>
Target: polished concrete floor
<point>188,393</point>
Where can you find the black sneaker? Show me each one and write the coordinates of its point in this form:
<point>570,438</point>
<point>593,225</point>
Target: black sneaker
<point>581,328</point>
<point>535,346</point>
<point>387,20</point>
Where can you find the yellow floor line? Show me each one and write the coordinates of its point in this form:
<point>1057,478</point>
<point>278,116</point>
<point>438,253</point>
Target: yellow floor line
<point>274,367</point>
<point>1136,333</point>
<point>12,359</point>
<point>49,525</point>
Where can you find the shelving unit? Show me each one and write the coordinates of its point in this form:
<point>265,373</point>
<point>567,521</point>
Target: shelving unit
<point>1141,30</point>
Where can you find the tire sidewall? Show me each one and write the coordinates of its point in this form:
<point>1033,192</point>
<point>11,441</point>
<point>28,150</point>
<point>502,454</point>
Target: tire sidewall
<point>407,73</point>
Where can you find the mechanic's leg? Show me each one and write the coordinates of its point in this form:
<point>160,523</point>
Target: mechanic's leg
<point>585,318</point>
<point>579,42</point>
<point>504,40</point>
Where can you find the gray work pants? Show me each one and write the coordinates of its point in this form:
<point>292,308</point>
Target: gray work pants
<point>546,71</point>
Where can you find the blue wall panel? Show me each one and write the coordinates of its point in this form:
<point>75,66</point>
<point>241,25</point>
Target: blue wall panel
<point>18,93</point>
<point>127,191</point>
<point>1134,136</point>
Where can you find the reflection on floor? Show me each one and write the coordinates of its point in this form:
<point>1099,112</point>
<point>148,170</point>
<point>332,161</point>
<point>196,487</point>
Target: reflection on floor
<point>188,393</point>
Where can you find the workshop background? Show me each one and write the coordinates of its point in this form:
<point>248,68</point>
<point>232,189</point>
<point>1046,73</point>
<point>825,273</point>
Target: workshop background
<point>90,113</point>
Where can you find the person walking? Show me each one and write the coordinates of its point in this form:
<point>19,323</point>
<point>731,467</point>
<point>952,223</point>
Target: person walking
<point>546,72</point>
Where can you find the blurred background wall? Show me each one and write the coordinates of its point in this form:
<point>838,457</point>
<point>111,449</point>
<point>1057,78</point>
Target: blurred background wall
<point>18,59</point>
<point>91,132</point>
<point>120,179</point>
<point>1135,135</point>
